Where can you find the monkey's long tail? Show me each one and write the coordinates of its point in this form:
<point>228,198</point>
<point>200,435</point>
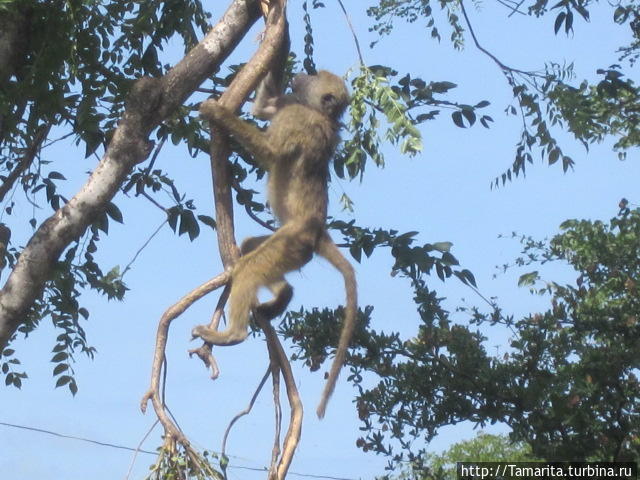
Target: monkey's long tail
<point>330,251</point>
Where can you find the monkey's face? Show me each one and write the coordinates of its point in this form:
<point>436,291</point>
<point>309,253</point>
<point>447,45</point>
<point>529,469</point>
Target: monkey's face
<point>324,92</point>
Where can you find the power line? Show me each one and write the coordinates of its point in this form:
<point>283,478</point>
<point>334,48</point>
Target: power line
<point>131,449</point>
<point>82,439</point>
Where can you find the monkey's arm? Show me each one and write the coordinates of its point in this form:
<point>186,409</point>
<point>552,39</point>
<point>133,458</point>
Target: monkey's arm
<point>269,94</point>
<point>249,136</point>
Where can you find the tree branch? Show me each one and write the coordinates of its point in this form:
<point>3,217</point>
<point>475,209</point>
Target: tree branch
<point>26,161</point>
<point>232,98</point>
<point>150,102</point>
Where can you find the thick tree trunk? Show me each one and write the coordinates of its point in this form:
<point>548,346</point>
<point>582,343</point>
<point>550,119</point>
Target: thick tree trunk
<point>151,101</point>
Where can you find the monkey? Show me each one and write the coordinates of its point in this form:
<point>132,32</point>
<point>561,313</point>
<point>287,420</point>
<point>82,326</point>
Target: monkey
<point>295,150</point>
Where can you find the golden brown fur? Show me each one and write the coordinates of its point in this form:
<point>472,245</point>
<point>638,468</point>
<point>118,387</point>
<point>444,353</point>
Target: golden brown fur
<point>296,150</point>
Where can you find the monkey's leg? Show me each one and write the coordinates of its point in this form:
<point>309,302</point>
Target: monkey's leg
<point>288,249</point>
<point>282,291</point>
<point>238,326</point>
<point>249,244</point>
<point>282,294</point>
<point>329,250</point>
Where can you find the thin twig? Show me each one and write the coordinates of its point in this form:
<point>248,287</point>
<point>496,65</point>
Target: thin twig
<point>155,155</point>
<point>502,66</point>
<point>144,245</point>
<point>245,411</point>
<point>63,137</point>
<point>515,9</point>
<point>139,448</point>
<point>153,201</point>
<point>252,215</point>
<point>26,161</point>
<point>353,32</point>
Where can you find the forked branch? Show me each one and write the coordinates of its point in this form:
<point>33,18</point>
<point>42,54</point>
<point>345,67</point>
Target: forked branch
<point>153,394</point>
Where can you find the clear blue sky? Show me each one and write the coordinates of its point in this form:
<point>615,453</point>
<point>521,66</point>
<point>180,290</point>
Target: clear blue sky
<point>443,193</point>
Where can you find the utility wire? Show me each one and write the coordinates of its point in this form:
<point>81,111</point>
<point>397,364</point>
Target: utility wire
<point>95,442</point>
<point>131,449</point>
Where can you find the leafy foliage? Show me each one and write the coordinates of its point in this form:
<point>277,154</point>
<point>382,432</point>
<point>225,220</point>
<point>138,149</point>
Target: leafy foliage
<point>404,105</point>
<point>592,112</point>
<point>74,70</point>
<point>567,386</point>
<point>185,463</point>
<point>482,448</point>
<point>544,100</point>
<point>412,11</point>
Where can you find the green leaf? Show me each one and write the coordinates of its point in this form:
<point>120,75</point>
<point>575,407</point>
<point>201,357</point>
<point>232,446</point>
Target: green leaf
<point>102,222</point>
<point>440,271</point>
<point>207,220</point>
<point>469,276</point>
<point>59,357</point>
<point>63,380</point>
<point>189,225</point>
<point>60,368</point>
<point>568,24</point>
<point>442,87</point>
<point>457,119</point>
<point>528,279</point>
<point>173,214</point>
<point>443,247</point>
<point>356,252</point>
<point>56,176</point>
<point>469,115</point>
<point>559,21</point>
<point>114,212</point>
<point>449,259</point>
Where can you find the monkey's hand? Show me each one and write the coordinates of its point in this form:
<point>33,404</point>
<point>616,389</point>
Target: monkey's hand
<point>213,111</point>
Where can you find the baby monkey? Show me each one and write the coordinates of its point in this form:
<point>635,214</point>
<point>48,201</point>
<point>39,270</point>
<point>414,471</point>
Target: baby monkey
<point>295,150</point>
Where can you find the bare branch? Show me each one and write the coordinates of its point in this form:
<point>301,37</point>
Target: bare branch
<point>277,410</point>
<point>278,355</point>
<point>233,98</point>
<point>353,32</point>
<point>503,67</point>
<point>172,313</point>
